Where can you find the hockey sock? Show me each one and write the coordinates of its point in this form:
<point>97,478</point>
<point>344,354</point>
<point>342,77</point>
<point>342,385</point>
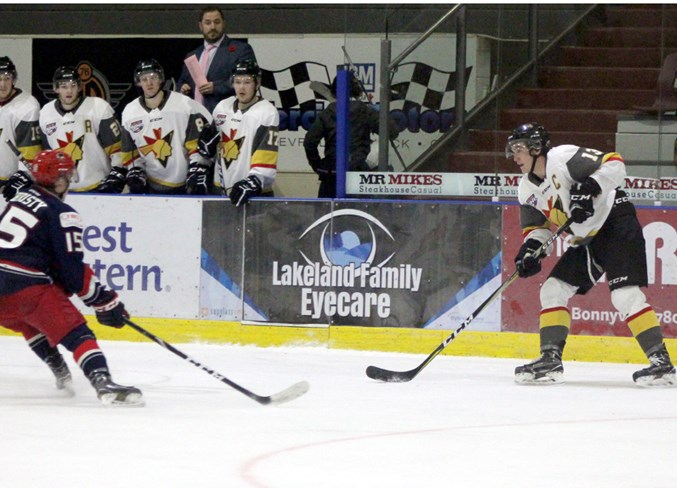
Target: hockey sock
<point>40,346</point>
<point>554,328</point>
<point>81,341</point>
<point>647,330</point>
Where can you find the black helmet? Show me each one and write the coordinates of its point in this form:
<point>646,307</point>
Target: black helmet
<point>148,66</point>
<point>248,67</point>
<point>7,66</point>
<point>65,73</point>
<point>534,136</point>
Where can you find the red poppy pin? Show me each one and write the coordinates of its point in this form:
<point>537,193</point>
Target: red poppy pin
<point>231,48</point>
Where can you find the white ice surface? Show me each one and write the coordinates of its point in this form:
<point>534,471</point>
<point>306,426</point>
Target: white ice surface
<point>461,423</point>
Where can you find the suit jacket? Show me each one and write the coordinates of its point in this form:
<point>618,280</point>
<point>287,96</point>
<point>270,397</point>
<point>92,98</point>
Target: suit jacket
<point>228,54</point>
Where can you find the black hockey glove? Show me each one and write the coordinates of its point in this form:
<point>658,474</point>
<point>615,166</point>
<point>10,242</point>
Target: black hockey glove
<point>17,182</point>
<point>581,199</point>
<point>527,264</point>
<point>115,181</point>
<point>208,141</point>
<point>243,190</point>
<point>196,183</point>
<point>136,180</point>
<point>109,309</point>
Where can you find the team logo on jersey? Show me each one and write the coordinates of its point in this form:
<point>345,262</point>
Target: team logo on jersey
<point>72,147</point>
<point>50,128</point>
<point>160,146</point>
<point>230,146</point>
<point>555,212</point>
<point>136,126</point>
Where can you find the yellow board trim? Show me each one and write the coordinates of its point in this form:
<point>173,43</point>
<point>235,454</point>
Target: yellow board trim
<point>415,341</point>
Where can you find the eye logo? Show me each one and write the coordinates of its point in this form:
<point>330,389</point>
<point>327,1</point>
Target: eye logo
<point>348,237</point>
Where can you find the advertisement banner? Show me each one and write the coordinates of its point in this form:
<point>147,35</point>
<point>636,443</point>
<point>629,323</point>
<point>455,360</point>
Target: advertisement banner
<point>364,263</point>
<point>593,313</point>
<point>147,248</point>
<point>487,185</point>
<point>221,261</point>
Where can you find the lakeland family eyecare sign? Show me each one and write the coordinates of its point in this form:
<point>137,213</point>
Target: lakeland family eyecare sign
<point>361,263</point>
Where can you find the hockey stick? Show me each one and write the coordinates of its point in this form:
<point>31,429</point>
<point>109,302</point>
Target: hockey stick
<point>286,395</point>
<point>322,90</point>
<point>18,154</point>
<point>389,376</point>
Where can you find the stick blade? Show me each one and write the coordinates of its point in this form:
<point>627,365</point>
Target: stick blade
<point>287,395</point>
<point>380,374</point>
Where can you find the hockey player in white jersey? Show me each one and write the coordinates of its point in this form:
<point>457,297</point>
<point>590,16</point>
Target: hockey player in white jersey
<point>19,130</point>
<point>606,237</point>
<point>83,127</point>
<point>160,130</point>
<point>243,139</point>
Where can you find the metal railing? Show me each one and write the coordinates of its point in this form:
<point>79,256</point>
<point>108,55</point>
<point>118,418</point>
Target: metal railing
<point>462,118</point>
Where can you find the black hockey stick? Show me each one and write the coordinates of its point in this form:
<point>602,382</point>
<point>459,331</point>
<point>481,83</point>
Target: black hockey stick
<point>287,395</point>
<point>389,376</point>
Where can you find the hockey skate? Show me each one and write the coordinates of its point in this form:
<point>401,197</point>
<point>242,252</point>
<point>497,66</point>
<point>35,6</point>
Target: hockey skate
<point>112,394</point>
<point>547,369</point>
<point>64,380</point>
<point>660,372</point>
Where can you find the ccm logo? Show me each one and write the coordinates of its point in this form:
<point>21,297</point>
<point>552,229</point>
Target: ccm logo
<point>620,279</point>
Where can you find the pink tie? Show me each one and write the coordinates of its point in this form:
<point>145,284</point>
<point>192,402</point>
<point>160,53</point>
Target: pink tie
<point>204,62</point>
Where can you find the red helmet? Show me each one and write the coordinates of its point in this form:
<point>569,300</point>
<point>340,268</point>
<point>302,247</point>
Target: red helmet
<point>49,165</point>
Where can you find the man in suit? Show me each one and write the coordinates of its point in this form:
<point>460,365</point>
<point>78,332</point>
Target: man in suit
<point>217,55</point>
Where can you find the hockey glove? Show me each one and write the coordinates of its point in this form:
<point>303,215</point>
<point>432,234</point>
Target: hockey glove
<point>136,180</point>
<point>208,141</point>
<point>526,262</point>
<point>581,199</point>
<point>115,181</point>
<point>109,309</point>
<point>243,190</point>
<point>17,182</point>
<point>196,183</point>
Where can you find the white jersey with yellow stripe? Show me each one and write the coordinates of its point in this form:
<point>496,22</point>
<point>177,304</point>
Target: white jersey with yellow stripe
<point>89,134</point>
<point>163,140</point>
<point>248,143</point>
<point>548,202</point>
<point>18,127</point>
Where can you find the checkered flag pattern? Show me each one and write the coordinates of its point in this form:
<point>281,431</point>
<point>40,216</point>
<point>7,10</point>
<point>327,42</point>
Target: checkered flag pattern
<point>289,87</point>
<point>420,85</point>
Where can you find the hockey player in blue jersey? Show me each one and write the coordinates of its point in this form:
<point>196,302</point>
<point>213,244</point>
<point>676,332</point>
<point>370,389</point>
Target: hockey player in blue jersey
<point>41,266</point>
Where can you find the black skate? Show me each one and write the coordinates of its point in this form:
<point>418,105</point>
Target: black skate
<point>112,394</point>
<point>547,369</point>
<point>64,380</point>
<point>660,372</point>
